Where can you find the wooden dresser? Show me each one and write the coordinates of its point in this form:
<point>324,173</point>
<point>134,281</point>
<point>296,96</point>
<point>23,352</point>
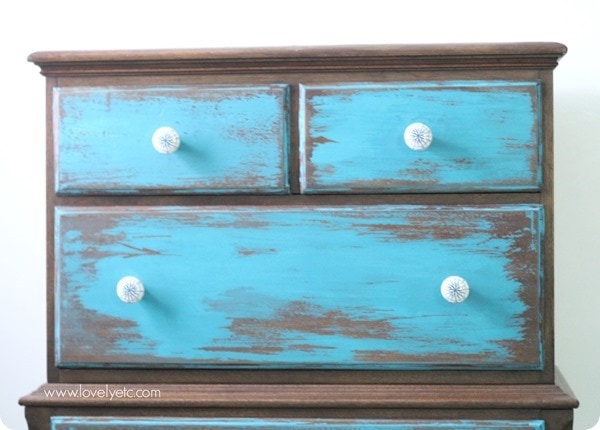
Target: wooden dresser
<point>354,237</point>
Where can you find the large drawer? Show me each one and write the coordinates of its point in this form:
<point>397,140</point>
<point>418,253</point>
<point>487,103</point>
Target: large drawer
<point>486,136</point>
<point>108,423</point>
<point>300,287</point>
<point>233,139</point>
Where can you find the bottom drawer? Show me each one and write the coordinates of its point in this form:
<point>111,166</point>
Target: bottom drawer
<point>73,423</point>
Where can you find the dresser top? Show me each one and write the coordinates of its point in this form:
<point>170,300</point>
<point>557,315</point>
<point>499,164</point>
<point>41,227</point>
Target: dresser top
<point>525,55</point>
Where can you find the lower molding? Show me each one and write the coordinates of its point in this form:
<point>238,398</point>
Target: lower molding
<point>543,396</point>
<point>548,402</point>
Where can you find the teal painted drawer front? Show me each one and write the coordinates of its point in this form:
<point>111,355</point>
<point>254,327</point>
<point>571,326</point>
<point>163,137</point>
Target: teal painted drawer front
<point>74,423</point>
<point>233,140</point>
<point>299,287</point>
<point>486,136</point>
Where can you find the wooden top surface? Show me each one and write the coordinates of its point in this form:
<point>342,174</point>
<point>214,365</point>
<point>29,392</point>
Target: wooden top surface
<point>302,58</point>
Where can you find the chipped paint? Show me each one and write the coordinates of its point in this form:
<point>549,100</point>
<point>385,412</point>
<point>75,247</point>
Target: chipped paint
<point>233,139</point>
<point>300,287</point>
<point>486,137</point>
<point>114,423</point>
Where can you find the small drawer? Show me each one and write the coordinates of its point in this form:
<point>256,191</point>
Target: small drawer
<point>117,140</point>
<point>348,287</point>
<point>117,423</point>
<point>485,136</point>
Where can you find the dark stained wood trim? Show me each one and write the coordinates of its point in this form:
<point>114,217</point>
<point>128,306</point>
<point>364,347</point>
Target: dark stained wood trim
<point>294,149</point>
<point>339,377</point>
<point>51,371</point>
<point>545,396</point>
<point>464,199</point>
<point>547,196</point>
<point>305,59</point>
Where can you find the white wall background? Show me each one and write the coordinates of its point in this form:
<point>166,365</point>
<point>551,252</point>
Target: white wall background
<point>32,25</point>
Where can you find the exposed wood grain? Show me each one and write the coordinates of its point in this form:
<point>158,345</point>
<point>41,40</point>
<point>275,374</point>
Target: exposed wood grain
<point>316,396</point>
<point>486,136</point>
<point>234,139</point>
<point>336,287</point>
<point>306,59</point>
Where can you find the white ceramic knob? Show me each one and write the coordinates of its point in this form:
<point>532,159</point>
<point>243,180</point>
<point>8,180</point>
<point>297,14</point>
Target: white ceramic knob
<point>130,289</point>
<point>455,289</point>
<point>166,140</point>
<point>418,136</point>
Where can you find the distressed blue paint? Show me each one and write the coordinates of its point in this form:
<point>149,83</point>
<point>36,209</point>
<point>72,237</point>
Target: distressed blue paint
<point>74,423</point>
<point>486,136</point>
<point>233,139</point>
<point>296,287</point>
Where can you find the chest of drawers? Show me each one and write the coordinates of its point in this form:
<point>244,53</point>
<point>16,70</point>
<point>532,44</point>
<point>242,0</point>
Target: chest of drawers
<point>301,238</point>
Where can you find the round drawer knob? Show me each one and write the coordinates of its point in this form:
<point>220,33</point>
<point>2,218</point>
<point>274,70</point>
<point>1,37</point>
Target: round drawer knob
<point>166,140</point>
<point>130,289</point>
<point>455,289</point>
<point>418,136</point>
